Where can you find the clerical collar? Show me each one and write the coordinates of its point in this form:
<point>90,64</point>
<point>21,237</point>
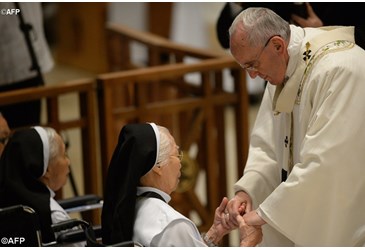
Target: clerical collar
<point>296,38</point>
<point>165,196</point>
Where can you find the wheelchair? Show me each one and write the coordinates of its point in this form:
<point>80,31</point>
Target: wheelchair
<point>20,227</point>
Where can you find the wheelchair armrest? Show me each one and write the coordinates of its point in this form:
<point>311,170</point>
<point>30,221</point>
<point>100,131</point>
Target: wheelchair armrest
<point>76,235</point>
<point>81,203</point>
<point>69,224</point>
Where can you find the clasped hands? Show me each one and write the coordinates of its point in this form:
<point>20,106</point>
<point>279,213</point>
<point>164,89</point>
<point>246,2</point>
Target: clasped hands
<point>237,214</point>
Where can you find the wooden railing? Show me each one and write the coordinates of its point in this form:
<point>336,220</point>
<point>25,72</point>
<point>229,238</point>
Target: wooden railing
<point>158,49</point>
<point>85,121</point>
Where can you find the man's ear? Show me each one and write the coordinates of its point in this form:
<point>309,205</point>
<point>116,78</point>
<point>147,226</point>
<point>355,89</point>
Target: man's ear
<point>278,43</point>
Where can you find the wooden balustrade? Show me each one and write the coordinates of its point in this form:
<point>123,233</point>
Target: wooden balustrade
<point>159,50</point>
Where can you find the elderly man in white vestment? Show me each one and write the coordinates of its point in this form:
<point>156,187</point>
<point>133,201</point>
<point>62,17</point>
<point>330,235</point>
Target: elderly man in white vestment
<point>311,125</point>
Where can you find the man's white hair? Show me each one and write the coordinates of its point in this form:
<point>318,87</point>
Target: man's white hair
<point>259,24</point>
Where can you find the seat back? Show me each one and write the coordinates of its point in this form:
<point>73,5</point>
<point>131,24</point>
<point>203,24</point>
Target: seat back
<point>19,226</point>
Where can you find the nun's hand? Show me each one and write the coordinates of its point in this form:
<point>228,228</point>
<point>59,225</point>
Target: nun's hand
<point>250,236</point>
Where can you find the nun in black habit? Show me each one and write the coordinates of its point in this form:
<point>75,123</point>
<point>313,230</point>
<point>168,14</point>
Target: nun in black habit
<point>134,155</point>
<point>143,172</point>
<point>33,166</point>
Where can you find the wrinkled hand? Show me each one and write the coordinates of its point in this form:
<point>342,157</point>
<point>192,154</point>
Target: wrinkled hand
<point>220,226</point>
<point>253,219</point>
<point>312,20</point>
<point>250,236</point>
<point>239,205</point>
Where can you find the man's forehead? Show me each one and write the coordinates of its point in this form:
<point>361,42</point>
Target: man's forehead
<point>239,38</point>
<point>238,44</point>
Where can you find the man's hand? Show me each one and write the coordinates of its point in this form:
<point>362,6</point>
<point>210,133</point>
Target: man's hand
<point>253,219</point>
<point>239,205</point>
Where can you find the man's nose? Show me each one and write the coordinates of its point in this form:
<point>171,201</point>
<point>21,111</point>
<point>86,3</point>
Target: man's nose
<point>253,74</point>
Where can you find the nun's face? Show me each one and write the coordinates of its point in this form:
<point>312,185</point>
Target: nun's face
<point>171,172</point>
<point>58,167</point>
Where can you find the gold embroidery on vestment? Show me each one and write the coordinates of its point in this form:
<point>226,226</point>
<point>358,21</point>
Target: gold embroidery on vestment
<point>335,46</point>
